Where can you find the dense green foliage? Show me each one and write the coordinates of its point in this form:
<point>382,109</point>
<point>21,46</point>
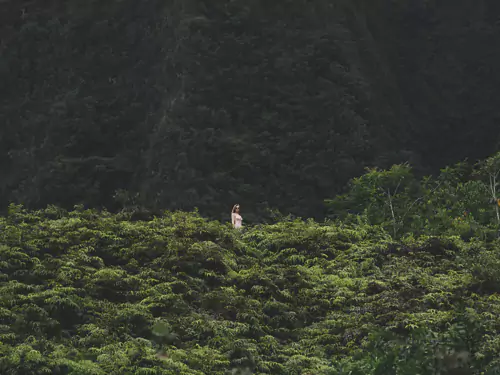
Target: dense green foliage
<point>266,103</point>
<point>462,200</point>
<point>88,292</point>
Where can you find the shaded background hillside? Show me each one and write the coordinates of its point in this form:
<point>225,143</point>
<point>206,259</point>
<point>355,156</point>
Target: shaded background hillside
<point>189,104</point>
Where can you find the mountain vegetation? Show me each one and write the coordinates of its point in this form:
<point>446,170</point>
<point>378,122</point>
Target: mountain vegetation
<point>405,281</point>
<point>128,126</point>
<point>181,104</point>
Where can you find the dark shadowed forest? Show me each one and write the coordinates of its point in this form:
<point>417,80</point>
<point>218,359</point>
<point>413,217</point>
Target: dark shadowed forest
<point>180,104</point>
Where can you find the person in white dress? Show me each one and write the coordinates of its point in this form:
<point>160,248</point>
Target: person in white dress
<point>236,218</point>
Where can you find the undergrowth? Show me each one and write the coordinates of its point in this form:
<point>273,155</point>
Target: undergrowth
<point>88,292</point>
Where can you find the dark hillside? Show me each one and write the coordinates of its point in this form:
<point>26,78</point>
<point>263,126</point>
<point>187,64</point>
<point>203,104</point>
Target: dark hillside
<point>190,103</point>
<point>444,58</point>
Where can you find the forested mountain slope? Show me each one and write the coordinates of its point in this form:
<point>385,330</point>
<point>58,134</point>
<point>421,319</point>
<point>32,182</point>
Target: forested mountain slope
<point>444,57</point>
<point>194,103</point>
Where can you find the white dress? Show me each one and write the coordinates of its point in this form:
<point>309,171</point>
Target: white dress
<point>236,220</point>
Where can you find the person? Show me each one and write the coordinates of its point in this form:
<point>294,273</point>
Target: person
<point>236,218</point>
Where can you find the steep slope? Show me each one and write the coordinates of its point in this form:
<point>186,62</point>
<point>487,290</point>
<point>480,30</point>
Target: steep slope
<point>444,57</point>
<point>279,107</point>
<point>190,103</point>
